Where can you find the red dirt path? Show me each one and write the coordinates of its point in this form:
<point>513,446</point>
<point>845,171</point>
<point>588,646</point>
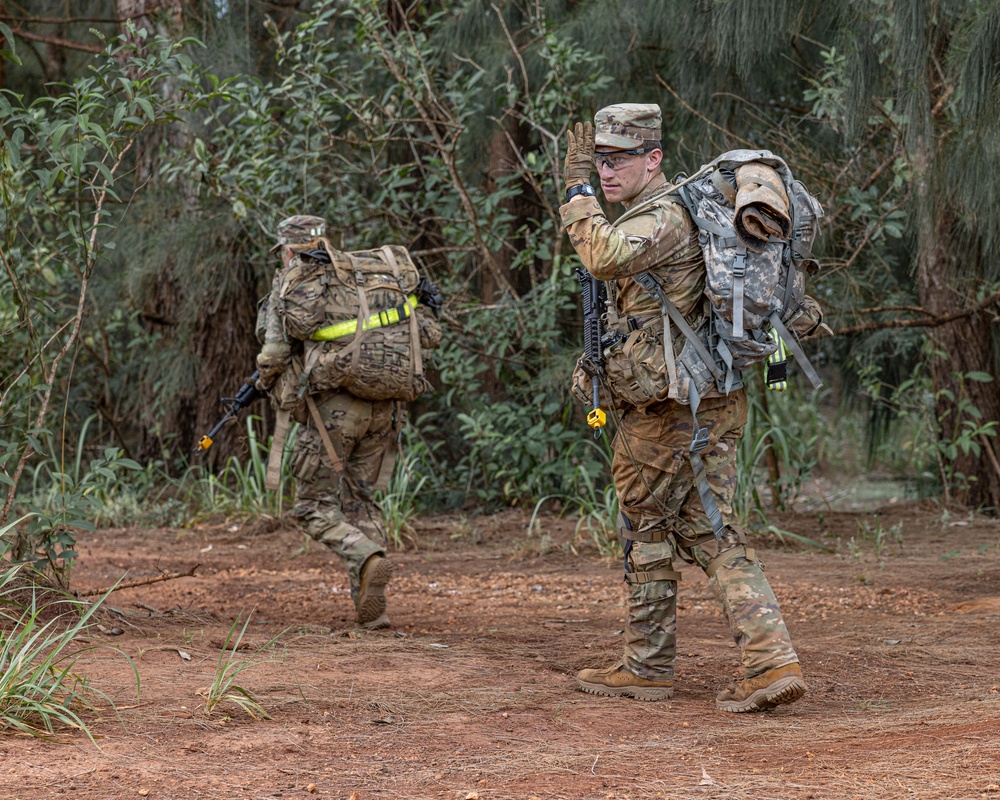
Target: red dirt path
<point>471,695</point>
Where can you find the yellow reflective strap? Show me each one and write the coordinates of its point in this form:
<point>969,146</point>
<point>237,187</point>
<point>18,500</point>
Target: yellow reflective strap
<point>778,357</point>
<point>382,319</point>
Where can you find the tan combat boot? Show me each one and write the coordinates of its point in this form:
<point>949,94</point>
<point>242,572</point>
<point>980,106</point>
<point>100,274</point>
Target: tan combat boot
<point>617,681</point>
<point>371,602</point>
<point>772,688</point>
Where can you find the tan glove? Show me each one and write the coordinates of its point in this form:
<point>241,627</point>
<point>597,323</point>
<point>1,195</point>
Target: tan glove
<point>272,361</point>
<point>579,163</point>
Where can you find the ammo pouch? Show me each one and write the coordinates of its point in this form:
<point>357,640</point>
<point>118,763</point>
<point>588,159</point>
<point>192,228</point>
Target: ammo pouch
<point>636,368</point>
<point>582,389</point>
<point>285,395</point>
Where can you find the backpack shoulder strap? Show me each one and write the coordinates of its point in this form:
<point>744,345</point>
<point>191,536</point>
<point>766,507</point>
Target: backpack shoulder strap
<point>652,286</point>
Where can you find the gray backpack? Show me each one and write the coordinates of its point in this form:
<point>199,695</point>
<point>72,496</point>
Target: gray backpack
<point>751,292</point>
<point>756,293</point>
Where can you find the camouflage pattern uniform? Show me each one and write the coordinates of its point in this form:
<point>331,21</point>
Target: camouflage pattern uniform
<point>335,503</point>
<point>663,517</point>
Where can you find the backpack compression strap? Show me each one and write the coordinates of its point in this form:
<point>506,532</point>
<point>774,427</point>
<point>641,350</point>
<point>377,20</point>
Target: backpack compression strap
<point>416,363</point>
<point>727,239</point>
<point>793,345</point>
<point>698,443</point>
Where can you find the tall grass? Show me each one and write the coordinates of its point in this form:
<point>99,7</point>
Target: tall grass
<point>238,488</point>
<point>780,426</point>
<point>398,502</point>
<point>592,497</point>
<point>228,668</point>
<point>41,692</point>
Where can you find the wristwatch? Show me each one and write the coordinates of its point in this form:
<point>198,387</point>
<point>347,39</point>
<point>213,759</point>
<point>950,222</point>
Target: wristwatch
<point>582,188</point>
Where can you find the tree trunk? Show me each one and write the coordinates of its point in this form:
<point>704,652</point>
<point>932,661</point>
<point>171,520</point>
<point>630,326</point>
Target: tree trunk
<point>964,345</point>
<point>214,329</point>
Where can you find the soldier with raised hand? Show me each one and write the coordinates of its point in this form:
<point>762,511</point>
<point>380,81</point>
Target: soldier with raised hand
<point>662,516</point>
<point>345,447</point>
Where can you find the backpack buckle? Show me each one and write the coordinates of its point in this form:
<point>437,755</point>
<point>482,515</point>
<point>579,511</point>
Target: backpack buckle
<point>740,266</point>
<point>777,375</point>
<point>700,440</point>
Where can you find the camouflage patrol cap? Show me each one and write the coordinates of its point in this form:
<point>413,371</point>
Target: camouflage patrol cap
<point>627,125</point>
<point>300,229</point>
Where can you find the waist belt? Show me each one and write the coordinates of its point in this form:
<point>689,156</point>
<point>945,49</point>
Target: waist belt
<point>382,319</point>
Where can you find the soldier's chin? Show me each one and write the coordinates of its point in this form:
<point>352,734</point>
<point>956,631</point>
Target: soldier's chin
<point>612,193</point>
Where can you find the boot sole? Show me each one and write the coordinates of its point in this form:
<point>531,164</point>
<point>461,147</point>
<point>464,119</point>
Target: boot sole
<point>784,690</point>
<point>648,693</point>
<point>372,602</point>
<point>378,624</point>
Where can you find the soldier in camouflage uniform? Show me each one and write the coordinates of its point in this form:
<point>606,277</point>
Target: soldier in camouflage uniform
<point>335,501</point>
<point>662,514</point>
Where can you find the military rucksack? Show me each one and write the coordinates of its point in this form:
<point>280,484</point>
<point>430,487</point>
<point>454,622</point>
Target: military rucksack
<point>755,283</point>
<point>360,321</point>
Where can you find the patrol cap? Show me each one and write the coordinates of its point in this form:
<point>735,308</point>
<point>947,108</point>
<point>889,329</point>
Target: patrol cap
<point>300,229</point>
<point>628,126</point>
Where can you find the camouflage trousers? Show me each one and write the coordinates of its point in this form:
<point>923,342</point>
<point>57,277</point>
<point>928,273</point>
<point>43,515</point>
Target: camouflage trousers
<point>657,493</point>
<point>337,506</point>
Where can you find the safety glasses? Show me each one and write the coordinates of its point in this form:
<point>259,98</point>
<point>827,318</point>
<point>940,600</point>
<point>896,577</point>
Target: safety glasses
<point>618,159</point>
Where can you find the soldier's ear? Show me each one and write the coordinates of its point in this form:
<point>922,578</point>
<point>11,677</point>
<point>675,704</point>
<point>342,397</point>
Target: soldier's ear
<point>653,159</point>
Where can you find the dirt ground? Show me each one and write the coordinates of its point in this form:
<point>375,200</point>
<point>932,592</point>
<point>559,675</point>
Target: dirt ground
<point>471,695</point>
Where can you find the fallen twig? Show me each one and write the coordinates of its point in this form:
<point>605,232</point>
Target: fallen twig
<point>169,576</point>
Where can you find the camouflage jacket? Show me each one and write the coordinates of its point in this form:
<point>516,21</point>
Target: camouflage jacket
<point>276,353</point>
<point>659,238</point>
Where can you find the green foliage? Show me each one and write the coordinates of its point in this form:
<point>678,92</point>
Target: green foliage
<point>41,693</point>
<point>876,536</point>
<point>228,668</point>
<point>238,487</point>
<point>443,131</point>
<point>64,184</point>
<point>592,498</point>
<point>391,149</point>
<point>826,97</point>
<point>790,430</point>
<point>942,423</point>
<point>512,454</point>
<point>66,498</point>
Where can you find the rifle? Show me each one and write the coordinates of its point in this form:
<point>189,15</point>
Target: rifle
<point>595,301</point>
<point>247,393</point>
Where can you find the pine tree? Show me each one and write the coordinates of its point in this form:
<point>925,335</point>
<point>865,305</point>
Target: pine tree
<point>933,68</point>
